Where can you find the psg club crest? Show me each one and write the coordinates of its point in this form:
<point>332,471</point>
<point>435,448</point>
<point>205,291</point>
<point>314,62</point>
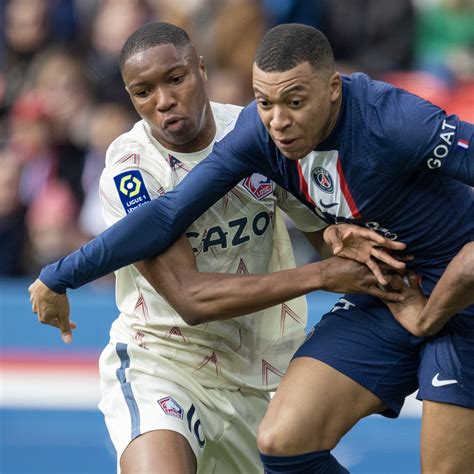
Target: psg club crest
<point>323,180</point>
<point>258,186</point>
<point>171,407</point>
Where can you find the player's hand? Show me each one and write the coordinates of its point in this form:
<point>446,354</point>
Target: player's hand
<point>364,246</point>
<point>408,312</point>
<point>342,275</point>
<point>51,308</point>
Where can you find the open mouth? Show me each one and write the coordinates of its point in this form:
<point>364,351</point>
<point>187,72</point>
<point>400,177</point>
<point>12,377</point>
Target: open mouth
<point>285,142</point>
<point>171,122</point>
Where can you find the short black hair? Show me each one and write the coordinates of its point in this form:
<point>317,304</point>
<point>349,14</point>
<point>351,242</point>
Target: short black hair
<point>153,34</point>
<point>286,46</point>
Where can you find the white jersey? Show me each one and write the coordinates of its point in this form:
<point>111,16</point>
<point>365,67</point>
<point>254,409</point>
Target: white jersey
<point>242,233</point>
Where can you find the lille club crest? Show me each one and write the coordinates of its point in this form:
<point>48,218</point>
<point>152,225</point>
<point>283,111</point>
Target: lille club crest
<point>171,407</point>
<point>323,180</point>
<point>258,186</point>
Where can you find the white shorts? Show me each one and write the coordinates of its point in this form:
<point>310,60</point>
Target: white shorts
<point>220,425</point>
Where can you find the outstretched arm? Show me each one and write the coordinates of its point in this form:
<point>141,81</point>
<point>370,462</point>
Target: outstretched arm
<point>202,297</point>
<point>147,231</point>
<point>453,292</point>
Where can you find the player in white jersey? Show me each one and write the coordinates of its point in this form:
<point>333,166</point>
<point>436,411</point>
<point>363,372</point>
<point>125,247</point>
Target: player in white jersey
<point>241,234</point>
<point>185,392</point>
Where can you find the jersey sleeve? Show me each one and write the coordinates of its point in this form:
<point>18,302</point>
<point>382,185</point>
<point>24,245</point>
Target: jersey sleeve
<point>152,227</point>
<point>303,218</point>
<point>410,133</point>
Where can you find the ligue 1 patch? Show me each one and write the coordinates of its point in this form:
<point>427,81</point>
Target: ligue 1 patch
<point>323,180</point>
<point>171,407</point>
<point>258,186</point>
<point>132,190</point>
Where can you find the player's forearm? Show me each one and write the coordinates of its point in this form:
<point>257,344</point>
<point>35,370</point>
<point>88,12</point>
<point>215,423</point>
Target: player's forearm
<point>453,292</point>
<point>129,240</point>
<point>212,296</point>
<point>316,239</point>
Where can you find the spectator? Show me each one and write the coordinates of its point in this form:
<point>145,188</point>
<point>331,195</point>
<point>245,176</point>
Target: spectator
<point>228,87</point>
<point>372,36</point>
<point>58,79</point>
<point>30,144</point>
<point>445,39</point>
<point>226,32</point>
<point>112,25</point>
<point>12,218</point>
<point>294,11</point>
<point>51,224</point>
<point>26,33</point>
<point>109,121</point>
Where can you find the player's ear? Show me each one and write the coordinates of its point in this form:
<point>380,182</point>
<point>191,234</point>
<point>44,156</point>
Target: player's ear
<point>202,68</point>
<point>335,86</point>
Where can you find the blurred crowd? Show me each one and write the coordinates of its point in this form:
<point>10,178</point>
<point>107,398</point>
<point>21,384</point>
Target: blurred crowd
<point>62,100</point>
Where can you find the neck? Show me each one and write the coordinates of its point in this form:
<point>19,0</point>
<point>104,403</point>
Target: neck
<point>334,115</point>
<point>209,128</point>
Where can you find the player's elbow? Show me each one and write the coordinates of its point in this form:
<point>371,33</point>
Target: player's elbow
<point>196,316</point>
<point>193,311</point>
<point>192,317</point>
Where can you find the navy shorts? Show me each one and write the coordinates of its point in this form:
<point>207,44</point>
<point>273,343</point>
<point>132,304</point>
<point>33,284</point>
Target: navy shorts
<point>446,372</point>
<point>367,344</point>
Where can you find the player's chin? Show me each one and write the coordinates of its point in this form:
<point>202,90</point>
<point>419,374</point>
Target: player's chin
<point>180,136</point>
<point>294,154</point>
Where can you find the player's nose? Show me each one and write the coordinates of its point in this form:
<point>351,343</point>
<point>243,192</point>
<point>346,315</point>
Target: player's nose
<point>279,119</point>
<point>164,99</point>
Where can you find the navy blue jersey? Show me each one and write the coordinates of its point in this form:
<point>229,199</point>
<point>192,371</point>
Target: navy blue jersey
<point>394,163</point>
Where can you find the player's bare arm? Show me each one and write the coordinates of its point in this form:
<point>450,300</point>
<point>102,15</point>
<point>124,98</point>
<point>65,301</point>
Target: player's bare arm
<point>202,297</point>
<point>453,292</point>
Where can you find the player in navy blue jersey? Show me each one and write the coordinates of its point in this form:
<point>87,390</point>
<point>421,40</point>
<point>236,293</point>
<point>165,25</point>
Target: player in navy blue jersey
<point>353,150</point>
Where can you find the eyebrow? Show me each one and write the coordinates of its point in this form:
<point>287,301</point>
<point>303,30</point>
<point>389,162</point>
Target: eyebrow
<point>295,88</point>
<point>170,71</point>
<point>137,84</point>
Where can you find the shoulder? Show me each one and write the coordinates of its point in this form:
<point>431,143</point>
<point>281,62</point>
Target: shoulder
<point>246,132</point>
<point>400,121</point>
<point>391,109</point>
<point>363,88</point>
<point>135,141</point>
<point>385,101</point>
<point>225,113</point>
<point>135,156</point>
<point>136,149</point>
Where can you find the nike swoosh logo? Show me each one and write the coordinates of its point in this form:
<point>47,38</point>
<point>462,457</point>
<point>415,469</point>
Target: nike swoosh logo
<point>328,206</point>
<point>436,382</point>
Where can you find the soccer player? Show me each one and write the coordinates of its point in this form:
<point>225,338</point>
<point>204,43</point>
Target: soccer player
<point>353,150</point>
<point>186,391</point>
